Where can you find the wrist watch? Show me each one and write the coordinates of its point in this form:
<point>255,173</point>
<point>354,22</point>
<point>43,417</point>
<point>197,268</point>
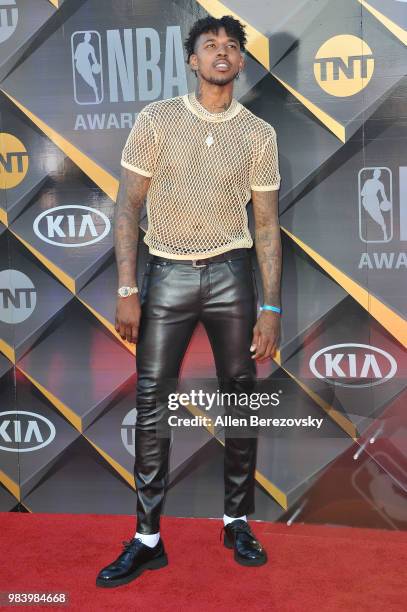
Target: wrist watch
<point>126,291</point>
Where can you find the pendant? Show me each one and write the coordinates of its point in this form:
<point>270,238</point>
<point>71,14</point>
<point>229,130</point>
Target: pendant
<point>209,140</point>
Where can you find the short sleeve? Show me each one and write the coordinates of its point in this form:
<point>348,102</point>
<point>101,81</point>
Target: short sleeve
<point>139,152</point>
<point>266,175</point>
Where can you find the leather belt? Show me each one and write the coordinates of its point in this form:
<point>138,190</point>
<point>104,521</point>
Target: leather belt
<point>202,263</point>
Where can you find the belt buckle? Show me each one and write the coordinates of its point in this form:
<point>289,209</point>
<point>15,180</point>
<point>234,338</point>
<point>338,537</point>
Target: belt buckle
<point>195,265</point>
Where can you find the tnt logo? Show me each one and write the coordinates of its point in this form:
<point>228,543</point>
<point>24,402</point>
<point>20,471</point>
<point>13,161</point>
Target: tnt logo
<point>13,160</point>
<point>128,431</point>
<point>8,19</point>
<point>343,65</point>
<point>18,296</point>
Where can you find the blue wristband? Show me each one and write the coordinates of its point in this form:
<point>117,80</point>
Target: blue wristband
<point>273,308</point>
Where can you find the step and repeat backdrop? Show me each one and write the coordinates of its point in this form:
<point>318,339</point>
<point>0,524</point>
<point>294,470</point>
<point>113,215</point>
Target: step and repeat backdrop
<point>331,78</point>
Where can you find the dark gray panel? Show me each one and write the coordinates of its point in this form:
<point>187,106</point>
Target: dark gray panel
<point>114,433</point>
<point>80,364</point>
<point>100,129</point>
<point>43,158</point>
<point>5,366</point>
<point>388,58</point>
<point>78,250</point>
<point>291,456</point>
<point>24,20</point>
<point>82,482</point>
<point>358,381</point>
<point>199,491</point>
<point>32,438</point>
<point>28,304</point>
<point>283,25</point>
<point>335,202</point>
<point>7,501</point>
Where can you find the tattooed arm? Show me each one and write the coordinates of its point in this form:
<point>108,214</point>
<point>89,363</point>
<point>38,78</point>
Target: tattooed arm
<point>266,332</point>
<point>130,199</point>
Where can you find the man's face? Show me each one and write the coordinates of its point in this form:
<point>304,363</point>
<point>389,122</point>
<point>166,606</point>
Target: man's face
<point>217,57</point>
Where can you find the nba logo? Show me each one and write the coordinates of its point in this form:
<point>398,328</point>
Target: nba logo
<point>375,195</point>
<point>87,67</point>
<point>8,18</point>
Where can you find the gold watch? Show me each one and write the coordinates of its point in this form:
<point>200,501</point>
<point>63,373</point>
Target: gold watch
<point>126,291</point>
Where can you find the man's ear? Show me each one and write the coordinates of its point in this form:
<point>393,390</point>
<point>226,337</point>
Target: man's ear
<point>193,62</point>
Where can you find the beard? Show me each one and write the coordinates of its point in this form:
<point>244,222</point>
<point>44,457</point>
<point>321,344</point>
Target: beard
<point>219,80</point>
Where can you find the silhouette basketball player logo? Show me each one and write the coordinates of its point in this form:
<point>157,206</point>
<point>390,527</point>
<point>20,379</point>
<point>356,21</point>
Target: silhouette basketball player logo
<point>375,202</point>
<point>88,83</point>
<point>8,19</point>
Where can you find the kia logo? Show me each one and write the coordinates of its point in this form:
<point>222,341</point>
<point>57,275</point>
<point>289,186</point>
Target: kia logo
<point>23,431</point>
<point>71,225</point>
<point>339,364</point>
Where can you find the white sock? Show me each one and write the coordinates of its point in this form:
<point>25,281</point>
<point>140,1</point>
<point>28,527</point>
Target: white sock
<point>228,519</point>
<point>149,539</point>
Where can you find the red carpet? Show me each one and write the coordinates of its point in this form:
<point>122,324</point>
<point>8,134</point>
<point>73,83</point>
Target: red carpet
<point>310,567</point>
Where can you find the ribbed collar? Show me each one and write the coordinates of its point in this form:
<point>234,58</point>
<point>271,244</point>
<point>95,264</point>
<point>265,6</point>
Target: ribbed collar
<point>192,103</point>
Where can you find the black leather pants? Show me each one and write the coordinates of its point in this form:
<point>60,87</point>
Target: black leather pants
<point>174,297</point>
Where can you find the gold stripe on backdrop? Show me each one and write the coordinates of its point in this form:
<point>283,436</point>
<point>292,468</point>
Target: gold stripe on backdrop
<point>7,350</point>
<point>258,46</point>
<point>56,270</point>
<point>388,23</point>
<point>389,319</point>
<point>72,417</point>
<point>10,485</point>
<point>125,474</point>
<point>257,43</point>
<point>106,181</point>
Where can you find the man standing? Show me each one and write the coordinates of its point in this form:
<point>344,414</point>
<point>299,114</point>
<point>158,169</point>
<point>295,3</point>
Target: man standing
<point>198,158</point>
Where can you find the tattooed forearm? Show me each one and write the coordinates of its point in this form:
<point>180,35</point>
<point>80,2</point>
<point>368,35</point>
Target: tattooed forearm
<point>268,243</point>
<point>132,191</point>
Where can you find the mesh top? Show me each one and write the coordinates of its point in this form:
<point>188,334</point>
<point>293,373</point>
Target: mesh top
<point>203,167</point>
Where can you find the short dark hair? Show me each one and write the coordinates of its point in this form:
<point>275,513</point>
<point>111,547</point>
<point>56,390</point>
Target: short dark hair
<point>233,28</point>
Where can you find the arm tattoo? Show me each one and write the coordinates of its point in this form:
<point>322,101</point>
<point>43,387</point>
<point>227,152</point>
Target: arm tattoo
<point>268,243</point>
<point>130,198</point>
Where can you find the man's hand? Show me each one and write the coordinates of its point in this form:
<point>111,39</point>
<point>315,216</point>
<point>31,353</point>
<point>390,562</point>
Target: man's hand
<point>130,198</point>
<point>266,334</point>
<point>128,312</point>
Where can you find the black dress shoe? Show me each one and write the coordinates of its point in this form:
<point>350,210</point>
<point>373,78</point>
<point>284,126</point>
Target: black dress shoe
<point>248,550</point>
<point>135,558</point>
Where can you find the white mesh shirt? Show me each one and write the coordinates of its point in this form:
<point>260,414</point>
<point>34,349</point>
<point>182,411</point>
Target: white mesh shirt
<point>203,167</point>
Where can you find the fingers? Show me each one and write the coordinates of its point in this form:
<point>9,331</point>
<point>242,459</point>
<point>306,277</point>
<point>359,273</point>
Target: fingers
<point>260,347</point>
<point>265,349</point>
<point>134,334</point>
<point>270,348</point>
<point>127,331</point>
<point>255,340</point>
<point>131,333</point>
<point>122,330</point>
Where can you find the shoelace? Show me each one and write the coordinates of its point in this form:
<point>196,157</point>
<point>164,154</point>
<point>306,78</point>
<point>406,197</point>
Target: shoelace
<point>238,529</point>
<point>130,545</point>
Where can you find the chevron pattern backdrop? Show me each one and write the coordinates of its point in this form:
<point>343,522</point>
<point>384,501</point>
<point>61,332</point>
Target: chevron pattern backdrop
<point>331,78</point>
